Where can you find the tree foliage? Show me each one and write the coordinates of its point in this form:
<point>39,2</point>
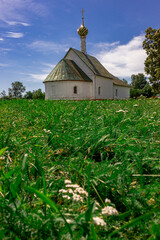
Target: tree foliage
<point>16,90</point>
<point>151,45</point>
<point>28,95</point>
<point>147,91</point>
<point>125,81</point>
<point>38,94</point>
<point>135,93</point>
<point>3,95</point>
<point>140,86</point>
<point>138,81</point>
<point>35,94</point>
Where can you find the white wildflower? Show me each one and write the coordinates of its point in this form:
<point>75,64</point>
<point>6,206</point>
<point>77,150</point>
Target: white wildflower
<point>66,196</point>
<point>80,190</point>
<point>63,191</point>
<point>77,198</point>
<point>70,190</point>
<point>99,221</point>
<point>72,186</point>
<point>154,112</point>
<point>47,131</point>
<point>68,220</point>
<point>67,181</point>
<point>135,105</point>
<point>109,211</point>
<point>107,200</point>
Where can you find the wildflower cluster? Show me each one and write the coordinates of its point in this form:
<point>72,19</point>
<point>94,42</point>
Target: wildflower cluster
<point>106,211</point>
<point>99,221</point>
<point>73,192</point>
<point>109,211</point>
<point>47,131</point>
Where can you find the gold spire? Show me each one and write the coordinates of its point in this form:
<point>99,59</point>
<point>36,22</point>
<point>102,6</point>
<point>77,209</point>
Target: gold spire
<point>82,17</point>
<point>83,31</point>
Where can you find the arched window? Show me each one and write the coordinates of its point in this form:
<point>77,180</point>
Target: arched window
<point>99,90</point>
<point>75,89</point>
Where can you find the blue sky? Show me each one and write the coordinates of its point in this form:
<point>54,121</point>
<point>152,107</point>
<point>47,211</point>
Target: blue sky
<point>35,35</point>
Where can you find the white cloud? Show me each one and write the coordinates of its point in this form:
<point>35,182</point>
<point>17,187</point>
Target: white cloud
<point>123,60</point>
<point>3,65</point>
<point>15,12</point>
<point>103,45</point>
<point>4,50</point>
<point>13,23</point>
<point>14,35</point>
<point>46,46</point>
<point>40,77</point>
<point>1,39</point>
<point>34,77</point>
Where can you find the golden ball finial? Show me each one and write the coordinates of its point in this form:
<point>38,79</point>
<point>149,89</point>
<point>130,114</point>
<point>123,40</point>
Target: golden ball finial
<point>82,31</point>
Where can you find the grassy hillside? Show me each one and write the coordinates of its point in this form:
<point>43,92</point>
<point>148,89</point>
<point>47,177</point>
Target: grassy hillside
<point>80,169</point>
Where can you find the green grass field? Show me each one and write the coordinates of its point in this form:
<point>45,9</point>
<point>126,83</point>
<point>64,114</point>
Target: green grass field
<point>107,150</point>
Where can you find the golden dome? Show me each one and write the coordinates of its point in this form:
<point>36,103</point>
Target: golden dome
<point>82,31</point>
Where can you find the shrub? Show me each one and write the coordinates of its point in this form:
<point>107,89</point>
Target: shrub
<point>147,91</point>
<point>134,93</point>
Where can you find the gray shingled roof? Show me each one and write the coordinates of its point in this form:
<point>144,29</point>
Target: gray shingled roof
<point>97,68</point>
<point>67,70</point>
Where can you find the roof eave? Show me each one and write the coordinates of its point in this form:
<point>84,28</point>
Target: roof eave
<point>67,81</point>
<point>122,85</point>
<point>104,76</point>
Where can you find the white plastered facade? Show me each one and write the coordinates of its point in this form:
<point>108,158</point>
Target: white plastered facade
<point>121,92</point>
<point>65,90</point>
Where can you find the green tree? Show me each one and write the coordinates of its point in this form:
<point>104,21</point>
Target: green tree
<point>147,91</point>
<point>134,93</point>
<point>138,81</point>
<point>38,94</point>
<point>3,94</point>
<point>28,95</point>
<point>125,81</point>
<point>16,90</point>
<point>151,45</point>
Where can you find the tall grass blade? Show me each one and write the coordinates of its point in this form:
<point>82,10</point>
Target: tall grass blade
<point>132,223</point>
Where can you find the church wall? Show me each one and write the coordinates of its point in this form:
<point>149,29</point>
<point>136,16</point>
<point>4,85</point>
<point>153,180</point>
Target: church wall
<point>103,88</point>
<point>121,92</point>
<point>73,56</point>
<point>65,90</point>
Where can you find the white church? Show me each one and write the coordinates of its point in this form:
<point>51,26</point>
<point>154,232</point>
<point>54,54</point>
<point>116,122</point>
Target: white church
<point>81,76</point>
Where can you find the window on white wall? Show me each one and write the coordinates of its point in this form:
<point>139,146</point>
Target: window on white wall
<point>116,93</point>
<point>99,90</point>
<point>75,89</point>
